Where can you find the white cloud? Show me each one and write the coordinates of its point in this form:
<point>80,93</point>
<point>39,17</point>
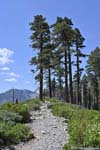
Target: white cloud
<point>5,69</point>
<point>11,79</point>
<point>6,56</point>
<point>11,74</point>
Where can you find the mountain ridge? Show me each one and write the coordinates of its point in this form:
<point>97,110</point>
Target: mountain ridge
<point>20,94</point>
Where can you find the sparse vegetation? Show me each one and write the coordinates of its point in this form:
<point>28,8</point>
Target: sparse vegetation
<point>83,125</point>
<point>13,134</point>
<point>23,108</point>
<point>12,117</point>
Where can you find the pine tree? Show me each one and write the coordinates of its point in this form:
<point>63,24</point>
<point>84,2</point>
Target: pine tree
<point>93,70</point>
<point>39,37</point>
<point>62,31</point>
<point>59,70</point>
<point>48,64</point>
<point>53,85</point>
<point>78,41</point>
<point>84,91</point>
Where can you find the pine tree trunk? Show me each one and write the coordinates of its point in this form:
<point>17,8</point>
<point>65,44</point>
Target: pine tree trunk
<point>41,83</point>
<point>53,87</point>
<point>41,72</point>
<point>66,79</point>
<point>60,87</point>
<point>85,95</point>
<point>50,91</point>
<point>78,77</point>
<point>98,92</point>
<point>89,105</point>
<point>70,76</point>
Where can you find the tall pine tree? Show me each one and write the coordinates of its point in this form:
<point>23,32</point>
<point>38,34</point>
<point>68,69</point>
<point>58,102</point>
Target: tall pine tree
<point>39,38</point>
<point>62,31</point>
<point>78,41</point>
<point>93,70</point>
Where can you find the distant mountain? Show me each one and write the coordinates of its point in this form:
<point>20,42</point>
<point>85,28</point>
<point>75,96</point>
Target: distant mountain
<point>21,95</point>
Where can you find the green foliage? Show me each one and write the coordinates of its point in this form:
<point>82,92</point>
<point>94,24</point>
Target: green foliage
<point>93,76</point>
<point>12,131</point>
<point>83,125</point>
<point>9,117</point>
<point>78,42</point>
<point>64,110</point>
<point>63,37</point>
<point>22,109</point>
<point>94,62</point>
<point>40,39</point>
<point>13,134</point>
<point>33,104</point>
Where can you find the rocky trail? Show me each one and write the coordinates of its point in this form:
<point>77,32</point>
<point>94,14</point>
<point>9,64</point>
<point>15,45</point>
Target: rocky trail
<point>50,131</point>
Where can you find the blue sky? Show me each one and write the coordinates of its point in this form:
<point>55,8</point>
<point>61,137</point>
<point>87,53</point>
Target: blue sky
<point>15,51</point>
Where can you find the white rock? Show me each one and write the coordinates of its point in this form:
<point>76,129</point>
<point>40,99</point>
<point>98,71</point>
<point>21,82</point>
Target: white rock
<point>54,126</point>
<point>43,132</point>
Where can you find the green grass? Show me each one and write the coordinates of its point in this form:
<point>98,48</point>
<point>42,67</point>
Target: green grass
<point>12,119</point>
<point>83,124</point>
<point>23,108</point>
<point>33,104</point>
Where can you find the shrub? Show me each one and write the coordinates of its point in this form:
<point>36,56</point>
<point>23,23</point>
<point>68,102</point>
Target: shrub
<point>12,131</point>
<point>10,117</point>
<point>10,134</point>
<point>83,125</point>
<point>19,109</point>
<point>33,104</point>
<point>63,110</point>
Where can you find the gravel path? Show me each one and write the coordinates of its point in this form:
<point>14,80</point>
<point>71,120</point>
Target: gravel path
<point>50,131</point>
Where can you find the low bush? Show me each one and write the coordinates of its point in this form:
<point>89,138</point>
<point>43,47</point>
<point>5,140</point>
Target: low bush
<point>23,108</point>
<point>64,110</point>
<point>10,117</point>
<point>17,108</point>
<point>13,134</point>
<point>83,125</point>
<point>33,104</point>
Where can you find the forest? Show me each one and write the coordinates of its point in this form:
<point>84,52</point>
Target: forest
<point>58,63</point>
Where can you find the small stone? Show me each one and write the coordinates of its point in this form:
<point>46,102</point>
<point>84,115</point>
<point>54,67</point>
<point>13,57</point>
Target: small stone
<point>38,138</point>
<point>65,128</point>
<point>41,117</point>
<point>54,133</point>
<point>54,126</point>
<point>39,147</point>
<point>43,132</point>
<point>32,118</point>
<point>40,114</point>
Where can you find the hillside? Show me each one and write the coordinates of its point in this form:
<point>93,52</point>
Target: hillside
<point>21,95</point>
